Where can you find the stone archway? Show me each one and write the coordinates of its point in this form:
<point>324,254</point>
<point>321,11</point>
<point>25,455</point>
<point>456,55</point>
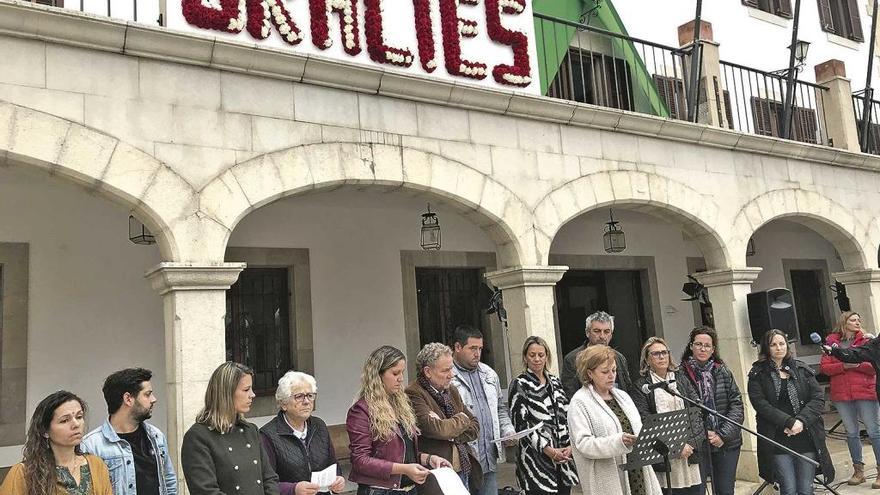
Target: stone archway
<point>156,194</point>
<point>697,214</point>
<point>826,217</point>
<point>264,179</point>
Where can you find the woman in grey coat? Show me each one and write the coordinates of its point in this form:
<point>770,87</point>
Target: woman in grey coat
<point>221,452</point>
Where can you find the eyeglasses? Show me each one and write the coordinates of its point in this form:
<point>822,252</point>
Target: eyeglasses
<point>659,354</point>
<point>303,397</point>
<point>700,345</point>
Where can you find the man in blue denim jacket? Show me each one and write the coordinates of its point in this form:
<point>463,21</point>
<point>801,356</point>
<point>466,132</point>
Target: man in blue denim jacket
<point>135,451</point>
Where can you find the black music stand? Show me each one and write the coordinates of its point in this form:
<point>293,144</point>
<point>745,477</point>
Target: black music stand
<point>662,435</point>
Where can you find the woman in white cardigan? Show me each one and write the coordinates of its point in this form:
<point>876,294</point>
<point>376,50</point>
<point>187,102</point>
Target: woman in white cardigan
<point>603,423</point>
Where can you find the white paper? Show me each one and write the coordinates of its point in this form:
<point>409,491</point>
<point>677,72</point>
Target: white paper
<point>324,478</point>
<point>520,434</point>
<point>449,481</point>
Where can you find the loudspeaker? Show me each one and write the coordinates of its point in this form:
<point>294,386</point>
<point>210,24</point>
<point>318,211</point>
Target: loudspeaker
<point>770,309</point>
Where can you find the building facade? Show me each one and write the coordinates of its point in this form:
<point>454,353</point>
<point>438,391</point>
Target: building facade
<point>285,194</point>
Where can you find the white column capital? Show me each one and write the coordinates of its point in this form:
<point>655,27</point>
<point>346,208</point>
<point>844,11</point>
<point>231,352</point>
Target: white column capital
<point>526,276</point>
<point>171,276</point>
<point>733,276</point>
<point>857,276</point>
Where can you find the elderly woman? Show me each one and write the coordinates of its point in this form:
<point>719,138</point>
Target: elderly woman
<point>296,442</point>
<point>788,404</point>
<point>657,366</point>
<point>603,423</point>
<point>446,424</point>
<point>543,462</point>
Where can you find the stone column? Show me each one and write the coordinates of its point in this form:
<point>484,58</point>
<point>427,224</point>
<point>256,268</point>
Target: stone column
<point>836,105</point>
<point>529,300</point>
<point>863,291</point>
<point>711,108</point>
<point>195,337</point>
<point>727,292</point>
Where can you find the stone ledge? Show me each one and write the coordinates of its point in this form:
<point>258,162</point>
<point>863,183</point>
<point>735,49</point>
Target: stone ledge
<point>27,20</point>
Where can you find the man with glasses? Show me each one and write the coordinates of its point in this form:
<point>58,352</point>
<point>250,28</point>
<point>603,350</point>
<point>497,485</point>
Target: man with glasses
<point>296,442</point>
<point>600,330</point>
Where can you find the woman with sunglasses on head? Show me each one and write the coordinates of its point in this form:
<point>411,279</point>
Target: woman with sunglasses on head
<point>53,463</point>
<point>788,404</point>
<point>296,442</point>
<point>717,389</point>
<point>657,366</point>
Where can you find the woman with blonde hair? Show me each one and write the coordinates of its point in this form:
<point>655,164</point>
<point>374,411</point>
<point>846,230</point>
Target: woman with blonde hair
<point>853,392</point>
<point>543,462</point>
<point>656,366</point>
<point>382,430</point>
<point>603,423</point>
<point>221,452</point>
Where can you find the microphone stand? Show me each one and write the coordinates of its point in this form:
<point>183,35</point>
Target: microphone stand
<point>742,427</point>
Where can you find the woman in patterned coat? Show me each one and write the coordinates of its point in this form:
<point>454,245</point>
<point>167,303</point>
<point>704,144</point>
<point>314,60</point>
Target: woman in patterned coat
<point>543,463</point>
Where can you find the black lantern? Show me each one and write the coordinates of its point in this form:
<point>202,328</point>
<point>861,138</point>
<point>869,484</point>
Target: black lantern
<point>615,239</point>
<point>750,248</point>
<point>430,231</point>
<point>138,233</point>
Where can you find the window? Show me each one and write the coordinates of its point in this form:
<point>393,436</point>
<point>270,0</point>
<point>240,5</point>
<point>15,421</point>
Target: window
<point>258,325</point>
<point>593,78</point>
<point>53,3</point>
<point>806,287</point>
<point>841,17</point>
<point>672,92</point>
<point>767,115</point>
<point>782,8</point>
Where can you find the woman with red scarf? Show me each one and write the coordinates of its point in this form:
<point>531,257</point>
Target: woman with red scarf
<point>853,392</point>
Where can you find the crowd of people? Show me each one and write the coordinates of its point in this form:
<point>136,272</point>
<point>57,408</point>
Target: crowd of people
<point>581,425</point>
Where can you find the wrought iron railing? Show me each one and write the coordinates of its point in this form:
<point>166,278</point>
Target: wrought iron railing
<point>591,65</point>
<point>145,11</point>
<point>869,141</point>
<point>754,101</point>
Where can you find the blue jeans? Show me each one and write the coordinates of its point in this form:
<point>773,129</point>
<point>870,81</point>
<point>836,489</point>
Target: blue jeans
<point>868,411</point>
<point>722,469</point>
<point>794,475</point>
<point>369,490</point>
<point>490,484</point>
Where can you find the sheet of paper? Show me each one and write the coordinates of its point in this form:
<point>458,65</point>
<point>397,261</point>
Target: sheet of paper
<point>449,481</point>
<point>324,478</point>
<point>520,434</point>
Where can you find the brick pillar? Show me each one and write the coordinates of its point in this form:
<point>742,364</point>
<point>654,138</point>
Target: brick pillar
<point>837,105</point>
<point>711,109</point>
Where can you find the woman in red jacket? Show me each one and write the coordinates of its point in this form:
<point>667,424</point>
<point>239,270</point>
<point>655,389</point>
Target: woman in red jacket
<point>853,391</point>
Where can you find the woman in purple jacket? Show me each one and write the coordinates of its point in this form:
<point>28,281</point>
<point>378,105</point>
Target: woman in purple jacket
<point>385,457</point>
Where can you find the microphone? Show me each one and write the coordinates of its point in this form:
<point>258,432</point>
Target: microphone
<point>648,387</point>
<point>818,340</point>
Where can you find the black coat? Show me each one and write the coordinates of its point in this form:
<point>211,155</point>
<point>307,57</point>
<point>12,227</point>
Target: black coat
<point>868,352</point>
<point>647,405</point>
<point>770,417</point>
<point>293,459</point>
<point>728,401</point>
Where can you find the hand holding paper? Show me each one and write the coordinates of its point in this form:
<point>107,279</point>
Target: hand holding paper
<point>520,434</point>
<point>449,481</point>
<point>324,479</point>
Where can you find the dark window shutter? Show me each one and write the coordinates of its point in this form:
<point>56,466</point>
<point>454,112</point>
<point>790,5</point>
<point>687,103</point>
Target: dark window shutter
<point>803,125</point>
<point>855,22</point>
<point>671,90</point>
<point>750,3</point>
<point>53,3</point>
<point>826,20</point>
<point>728,109</point>
<point>783,8</point>
<point>766,116</point>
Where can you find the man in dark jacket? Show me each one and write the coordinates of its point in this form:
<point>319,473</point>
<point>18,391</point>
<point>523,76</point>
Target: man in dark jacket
<point>600,330</point>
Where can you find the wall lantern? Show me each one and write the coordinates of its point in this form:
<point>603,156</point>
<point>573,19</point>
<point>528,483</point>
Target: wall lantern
<point>801,49</point>
<point>615,239</point>
<point>430,231</point>
<point>750,248</point>
<point>138,233</point>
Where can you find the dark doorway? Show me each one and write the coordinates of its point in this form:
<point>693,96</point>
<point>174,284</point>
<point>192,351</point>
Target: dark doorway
<point>806,288</point>
<point>448,297</point>
<point>618,292</point>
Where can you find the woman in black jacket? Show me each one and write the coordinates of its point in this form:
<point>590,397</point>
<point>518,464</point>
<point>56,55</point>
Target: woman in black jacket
<point>788,402</point>
<point>656,366</point>
<point>717,389</point>
<point>296,442</point>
